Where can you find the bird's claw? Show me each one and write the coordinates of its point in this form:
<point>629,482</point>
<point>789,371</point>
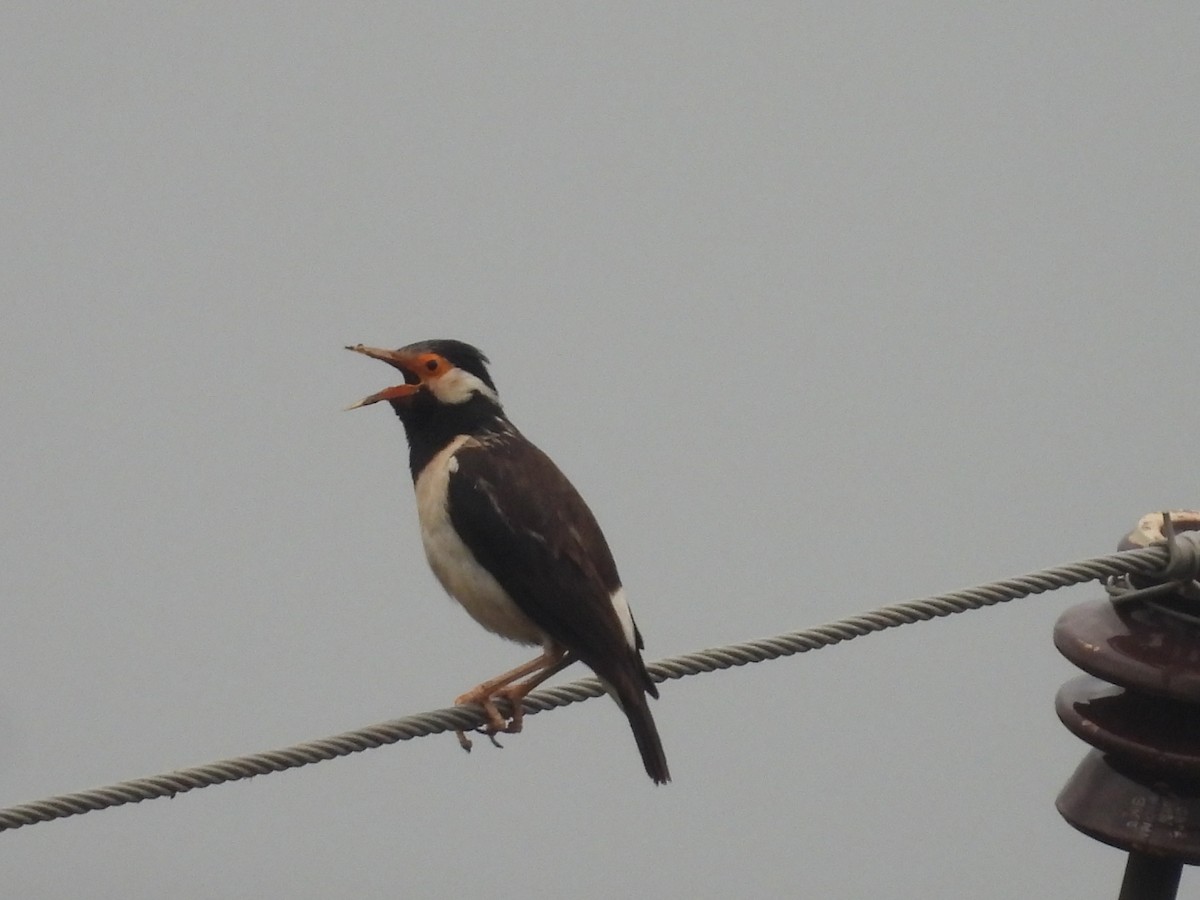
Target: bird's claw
<point>496,723</point>
<point>491,732</point>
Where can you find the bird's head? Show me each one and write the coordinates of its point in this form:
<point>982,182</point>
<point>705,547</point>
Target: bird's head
<point>437,374</point>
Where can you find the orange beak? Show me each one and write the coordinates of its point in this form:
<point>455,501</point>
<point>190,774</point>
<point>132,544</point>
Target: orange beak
<point>402,361</point>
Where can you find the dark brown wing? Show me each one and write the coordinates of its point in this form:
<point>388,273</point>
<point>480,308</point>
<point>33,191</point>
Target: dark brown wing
<point>528,526</point>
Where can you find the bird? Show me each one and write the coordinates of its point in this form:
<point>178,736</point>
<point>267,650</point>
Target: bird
<point>512,541</point>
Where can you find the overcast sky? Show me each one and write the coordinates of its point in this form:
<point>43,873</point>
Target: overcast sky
<point>821,306</point>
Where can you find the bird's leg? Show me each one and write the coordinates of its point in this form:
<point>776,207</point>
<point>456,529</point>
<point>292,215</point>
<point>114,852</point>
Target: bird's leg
<point>550,661</point>
<point>556,661</point>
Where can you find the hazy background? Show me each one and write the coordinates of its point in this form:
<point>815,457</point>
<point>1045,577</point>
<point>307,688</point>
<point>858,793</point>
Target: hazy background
<point>821,306</point>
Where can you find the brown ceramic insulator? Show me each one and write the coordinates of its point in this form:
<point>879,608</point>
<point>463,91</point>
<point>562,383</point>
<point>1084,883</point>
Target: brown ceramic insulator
<point>1131,810</point>
<point>1140,788</point>
<point>1133,645</point>
<point>1153,734</point>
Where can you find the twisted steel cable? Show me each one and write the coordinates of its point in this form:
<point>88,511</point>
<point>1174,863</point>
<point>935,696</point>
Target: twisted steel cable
<point>1161,559</point>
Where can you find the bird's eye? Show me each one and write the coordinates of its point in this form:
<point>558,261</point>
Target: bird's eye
<point>432,365</point>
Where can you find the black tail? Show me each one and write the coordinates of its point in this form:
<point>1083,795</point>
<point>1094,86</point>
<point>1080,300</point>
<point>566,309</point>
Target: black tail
<point>632,698</point>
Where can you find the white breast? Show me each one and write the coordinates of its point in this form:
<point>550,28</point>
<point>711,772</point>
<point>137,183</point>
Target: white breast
<point>454,565</point>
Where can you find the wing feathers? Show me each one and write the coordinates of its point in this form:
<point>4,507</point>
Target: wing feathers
<point>528,526</point>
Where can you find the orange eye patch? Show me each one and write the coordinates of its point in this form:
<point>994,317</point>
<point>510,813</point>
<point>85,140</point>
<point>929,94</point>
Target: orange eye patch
<point>429,364</point>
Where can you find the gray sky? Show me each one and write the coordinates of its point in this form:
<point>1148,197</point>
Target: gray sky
<point>821,306</point>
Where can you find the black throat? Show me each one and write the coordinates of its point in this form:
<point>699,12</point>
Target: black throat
<point>431,425</point>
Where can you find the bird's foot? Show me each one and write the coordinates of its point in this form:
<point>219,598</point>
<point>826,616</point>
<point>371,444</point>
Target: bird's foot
<point>514,694</point>
<point>466,743</point>
<point>463,740</point>
<point>496,723</point>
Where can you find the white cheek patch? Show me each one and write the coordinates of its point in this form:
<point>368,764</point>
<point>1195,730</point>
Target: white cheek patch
<point>621,605</point>
<point>457,386</point>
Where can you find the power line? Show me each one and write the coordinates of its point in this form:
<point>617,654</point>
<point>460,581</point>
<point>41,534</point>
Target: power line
<point>1157,560</point>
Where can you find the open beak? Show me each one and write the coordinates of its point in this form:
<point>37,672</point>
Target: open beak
<point>401,361</point>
